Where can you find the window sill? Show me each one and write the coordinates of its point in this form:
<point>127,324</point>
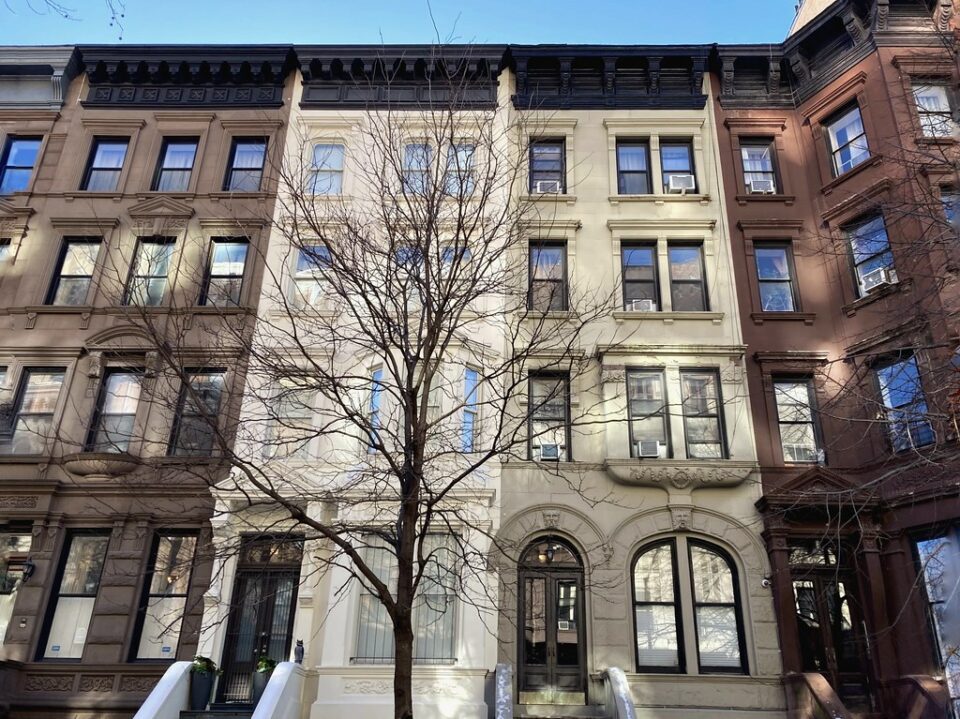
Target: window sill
<point>221,195</point>
<point>116,196</point>
<point>784,199</point>
<point>52,309</point>
<point>660,199</point>
<point>556,198</point>
<point>179,195</point>
<point>923,140</point>
<point>668,318</point>
<point>852,308</point>
<point>760,317</point>
<point>862,167</point>
<point>562,315</point>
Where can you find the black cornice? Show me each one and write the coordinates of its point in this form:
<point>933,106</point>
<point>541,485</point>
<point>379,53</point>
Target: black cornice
<point>186,75</point>
<point>362,76</point>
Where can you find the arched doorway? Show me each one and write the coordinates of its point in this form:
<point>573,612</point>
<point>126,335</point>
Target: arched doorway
<point>552,642</point>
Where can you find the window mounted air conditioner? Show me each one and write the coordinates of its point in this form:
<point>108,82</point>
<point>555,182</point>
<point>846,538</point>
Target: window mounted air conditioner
<point>648,448</point>
<point>642,306</point>
<point>681,184</point>
<point>548,187</point>
<point>799,452</point>
<point>762,187</point>
<point>549,452</point>
<point>878,278</point>
<point>563,625</point>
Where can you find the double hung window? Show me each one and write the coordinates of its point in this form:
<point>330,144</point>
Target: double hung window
<point>795,416</point>
<point>687,285</point>
<point>905,403</point>
<point>640,282</point>
<point>224,279</point>
<point>113,422</point>
<point>176,164</point>
<point>17,162</point>
<point>633,167</point>
<point>245,169</point>
<point>775,277</point>
<point>847,140</point>
<point>26,425</point>
<point>198,411</point>
<point>549,417</point>
<point>548,277</point>
<point>148,274</point>
<point>547,166</point>
<point>164,604</point>
<point>105,164</point>
<point>326,174</point>
<point>647,411</point>
<point>74,275</point>
<point>702,414</point>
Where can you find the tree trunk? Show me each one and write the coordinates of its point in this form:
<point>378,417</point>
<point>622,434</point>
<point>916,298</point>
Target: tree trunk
<point>403,665</point>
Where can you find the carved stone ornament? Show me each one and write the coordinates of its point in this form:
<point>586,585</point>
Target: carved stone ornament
<point>139,685</point>
<point>108,464</point>
<point>773,77</point>
<point>681,517</point>
<point>944,13</point>
<point>96,683</point>
<point>726,80</point>
<point>367,686</point>
<point>613,373</point>
<point>883,14</point>
<point>550,519</point>
<point>21,502</point>
<point>679,474</point>
<point>48,683</point>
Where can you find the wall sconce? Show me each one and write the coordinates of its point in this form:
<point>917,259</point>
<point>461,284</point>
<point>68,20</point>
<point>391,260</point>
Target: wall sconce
<point>28,569</point>
<point>545,553</point>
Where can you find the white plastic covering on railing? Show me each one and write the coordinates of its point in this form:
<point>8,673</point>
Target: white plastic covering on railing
<point>283,696</point>
<point>170,696</point>
<point>619,698</point>
<point>503,692</point>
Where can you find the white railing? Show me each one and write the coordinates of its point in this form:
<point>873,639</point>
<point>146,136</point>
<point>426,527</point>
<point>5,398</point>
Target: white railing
<point>170,696</point>
<point>283,696</point>
<point>503,692</point>
<point>619,698</point>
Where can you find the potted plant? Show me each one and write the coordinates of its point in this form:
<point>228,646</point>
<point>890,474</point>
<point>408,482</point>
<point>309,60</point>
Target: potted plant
<point>203,673</point>
<point>265,667</point>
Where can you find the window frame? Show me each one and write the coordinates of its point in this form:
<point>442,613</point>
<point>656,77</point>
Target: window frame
<point>418,168</point>
<point>686,143</point>
<point>564,281</point>
<point>5,165</point>
<point>55,594</point>
<point>683,244</point>
<point>161,168</point>
<point>814,422</point>
<point>209,277</point>
<point>664,413</point>
<point>833,152</point>
<point>744,668</point>
<point>93,432</point>
<point>146,595</point>
<point>631,142</point>
<point>374,410</point>
<point>747,141</point>
<point>18,396</point>
<point>887,363</point>
<point>316,169</point>
<point>626,246</point>
<point>564,377</point>
<point>791,281</point>
<point>849,230</point>
<point>177,426</point>
<point>471,408</point>
<point>947,116</point>
<point>721,423</point>
<point>58,275</point>
<point>681,667</point>
<point>531,150</point>
<point>463,179</point>
<point>231,159</point>
<point>90,168</point>
<point>133,276</point>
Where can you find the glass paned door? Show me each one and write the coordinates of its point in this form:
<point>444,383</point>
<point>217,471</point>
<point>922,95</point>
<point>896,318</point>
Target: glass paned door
<point>552,633</point>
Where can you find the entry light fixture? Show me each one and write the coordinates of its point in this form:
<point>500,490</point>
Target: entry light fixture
<point>28,569</point>
<point>545,553</point>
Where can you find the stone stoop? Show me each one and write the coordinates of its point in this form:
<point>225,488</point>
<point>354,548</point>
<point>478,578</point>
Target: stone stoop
<point>558,711</point>
<point>238,713</point>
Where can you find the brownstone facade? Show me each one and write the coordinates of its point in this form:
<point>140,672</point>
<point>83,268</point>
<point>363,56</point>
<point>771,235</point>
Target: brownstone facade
<point>841,361</point>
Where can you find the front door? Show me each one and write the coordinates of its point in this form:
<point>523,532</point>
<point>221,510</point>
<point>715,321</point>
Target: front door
<point>831,635</point>
<point>261,615</point>
<point>552,646</point>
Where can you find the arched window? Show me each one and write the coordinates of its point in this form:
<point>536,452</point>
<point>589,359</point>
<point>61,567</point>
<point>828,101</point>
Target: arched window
<point>685,597</point>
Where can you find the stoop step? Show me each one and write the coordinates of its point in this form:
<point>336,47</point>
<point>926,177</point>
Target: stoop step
<point>237,713</point>
<point>558,711</point>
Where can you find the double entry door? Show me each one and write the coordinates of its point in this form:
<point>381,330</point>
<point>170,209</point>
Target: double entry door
<point>260,624</point>
<point>552,656</point>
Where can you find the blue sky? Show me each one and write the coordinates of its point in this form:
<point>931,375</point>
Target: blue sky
<point>373,21</point>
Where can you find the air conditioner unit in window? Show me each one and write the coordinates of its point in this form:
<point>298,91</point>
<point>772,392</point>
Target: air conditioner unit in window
<point>878,278</point>
<point>648,448</point>
<point>762,187</point>
<point>799,452</point>
<point>563,625</point>
<point>549,452</point>
<point>681,184</point>
<point>642,306</point>
<point>548,187</point>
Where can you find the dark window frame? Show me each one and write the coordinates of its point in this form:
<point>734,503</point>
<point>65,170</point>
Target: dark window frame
<point>773,172</point>
<point>173,443</point>
<point>564,282</point>
<point>18,395</point>
<point>886,362</point>
<point>531,411</point>
<point>209,277</point>
<point>664,413</point>
<point>146,595</point>
<point>234,144</point>
<point>89,169</point>
<point>93,430</point>
<point>665,174</point>
<point>722,425</point>
<point>787,247</point>
<point>657,290</point>
<point>814,416</point>
<point>133,276</point>
<point>682,244</point>
<point>744,667</point>
<point>58,275</point>
<point>849,229</point>
<point>546,141</point>
<point>8,151</point>
<point>681,667</point>
<point>631,142</point>
<point>833,152</point>
<point>55,595</point>
<point>158,173</point>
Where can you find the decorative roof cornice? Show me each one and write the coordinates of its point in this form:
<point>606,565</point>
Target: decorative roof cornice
<point>36,76</point>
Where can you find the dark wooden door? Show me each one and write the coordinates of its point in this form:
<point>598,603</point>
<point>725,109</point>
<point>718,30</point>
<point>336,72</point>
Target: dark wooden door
<point>260,624</point>
<point>552,646</point>
<point>832,639</point>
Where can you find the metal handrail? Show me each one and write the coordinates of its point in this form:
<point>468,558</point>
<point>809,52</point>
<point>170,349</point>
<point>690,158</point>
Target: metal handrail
<point>619,697</point>
<point>503,692</point>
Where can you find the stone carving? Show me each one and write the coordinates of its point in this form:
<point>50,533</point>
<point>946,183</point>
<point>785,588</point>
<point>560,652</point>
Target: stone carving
<point>679,475</point>
<point>654,70</point>
<point>550,519</point>
<point>726,84</point>
<point>48,683</point>
<point>800,67</point>
<point>773,77</point>
<point>96,683</point>
<point>367,686</point>
<point>22,502</point>
<point>681,517</point>
<point>883,13</point>
<point>944,13</point>
<point>140,685</point>
<point>95,365</point>
<point>613,373</point>
<point>854,27</point>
